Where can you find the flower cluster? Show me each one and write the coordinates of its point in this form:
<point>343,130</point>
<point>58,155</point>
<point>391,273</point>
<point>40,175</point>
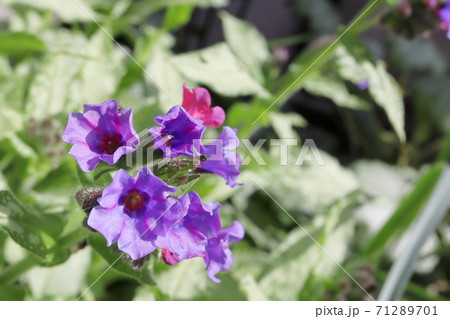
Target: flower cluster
<point>412,18</point>
<point>144,213</point>
<point>444,15</point>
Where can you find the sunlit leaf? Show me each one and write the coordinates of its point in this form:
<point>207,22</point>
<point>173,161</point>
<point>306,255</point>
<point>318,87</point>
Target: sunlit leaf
<point>387,93</point>
<point>231,78</point>
<point>247,43</point>
<point>29,229</point>
<point>407,210</point>
<point>66,11</point>
<point>334,89</point>
<point>177,16</point>
<point>20,43</point>
<point>46,282</point>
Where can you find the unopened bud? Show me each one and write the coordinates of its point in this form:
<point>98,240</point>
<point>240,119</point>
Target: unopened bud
<point>87,198</point>
<point>404,9</point>
<point>431,4</point>
<point>168,257</point>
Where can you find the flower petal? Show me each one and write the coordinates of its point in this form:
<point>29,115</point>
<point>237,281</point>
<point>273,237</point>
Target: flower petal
<point>136,239</point>
<point>108,222</point>
<point>77,127</point>
<point>234,233</point>
<point>122,182</point>
<point>86,158</point>
<point>197,103</point>
<point>218,258</point>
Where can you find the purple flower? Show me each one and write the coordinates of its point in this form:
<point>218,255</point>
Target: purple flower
<point>177,132</point>
<point>189,237</point>
<point>135,212</point>
<point>363,85</point>
<point>224,161</point>
<point>218,254</point>
<point>101,132</point>
<point>444,14</point>
<point>199,234</point>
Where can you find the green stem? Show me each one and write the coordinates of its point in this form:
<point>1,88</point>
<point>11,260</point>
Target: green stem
<point>13,272</point>
<point>363,14</point>
<point>73,237</point>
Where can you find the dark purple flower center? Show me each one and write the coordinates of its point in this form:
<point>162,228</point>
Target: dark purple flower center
<point>134,200</point>
<point>111,143</point>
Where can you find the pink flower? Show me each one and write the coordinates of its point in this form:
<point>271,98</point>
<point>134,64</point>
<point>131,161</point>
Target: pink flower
<point>169,258</point>
<point>197,103</point>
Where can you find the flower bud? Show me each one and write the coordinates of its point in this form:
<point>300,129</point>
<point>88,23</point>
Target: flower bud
<point>431,4</point>
<point>404,9</point>
<point>87,198</point>
<point>168,257</point>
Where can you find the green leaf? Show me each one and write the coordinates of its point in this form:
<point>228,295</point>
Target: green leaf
<point>79,71</point>
<point>100,177</point>
<point>3,237</point>
<point>357,66</point>
<point>177,16</point>
<point>159,4</point>
<point>25,226</point>
<point>20,43</point>
<point>184,280</point>
<point>46,282</point>
<point>138,12</point>
<point>152,293</point>
<point>299,252</point>
<point>284,123</point>
<point>317,185</point>
<point>66,11</point>
<point>335,90</point>
<point>114,258</point>
<point>444,153</point>
<point>300,69</point>
<point>247,43</point>
<point>35,232</point>
<point>387,93</point>
<point>54,192</point>
<point>240,114</point>
<point>12,293</point>
<point>431,216</point>
<point>380,180</point>
<point>405,213</point>
<point>188,280</point>
<point>166,79</point>
<point>230,78</point>
<point>252,289</point>
<point>349,65</point>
